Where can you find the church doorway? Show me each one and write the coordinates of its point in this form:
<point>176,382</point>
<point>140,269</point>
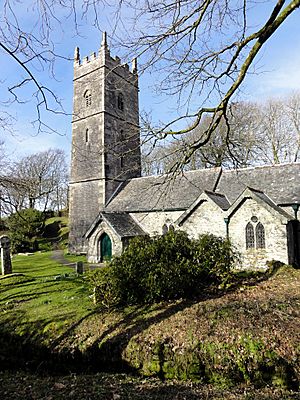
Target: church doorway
<point>105,248</point>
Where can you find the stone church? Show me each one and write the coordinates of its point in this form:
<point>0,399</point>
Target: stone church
<point>109,201</point>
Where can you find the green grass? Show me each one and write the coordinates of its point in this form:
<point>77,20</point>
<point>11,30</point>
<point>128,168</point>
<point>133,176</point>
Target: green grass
<point>45,300</point>
<point>249,335</point>
<point>62,220</point>
<point>56,231</point>
<point>73,258</point>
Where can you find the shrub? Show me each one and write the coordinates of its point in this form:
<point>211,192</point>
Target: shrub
<point>162,268</point>
<point>215,256</point>
<point>104,284</point>
<point>25,226</point>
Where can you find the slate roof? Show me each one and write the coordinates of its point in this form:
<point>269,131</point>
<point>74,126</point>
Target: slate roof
<point>164,192</point>
<point>219,199</point>
<point>123,224</point>
<point>281,183</point>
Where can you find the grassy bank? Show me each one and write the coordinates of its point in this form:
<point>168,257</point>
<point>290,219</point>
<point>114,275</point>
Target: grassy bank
<point>247,336</point>
<point>100,386</point>
<point>39,303</point>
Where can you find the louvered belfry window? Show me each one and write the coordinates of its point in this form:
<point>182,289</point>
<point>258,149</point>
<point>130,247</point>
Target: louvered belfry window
<point>88,98</point>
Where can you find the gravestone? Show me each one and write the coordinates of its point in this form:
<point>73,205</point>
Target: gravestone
<point>5,255</point>
<point>79,267</point>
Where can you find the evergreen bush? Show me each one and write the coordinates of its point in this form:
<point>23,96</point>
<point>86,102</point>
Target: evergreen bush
<point>25,227</point>
<point>163,268</point>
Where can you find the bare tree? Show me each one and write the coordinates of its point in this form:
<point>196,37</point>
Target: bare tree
<point>36,181</point>
<point>278,135</point>
<point>202,50</point>
<point>293,111</point>
<point>266,132</point>
<point>240,148</point>
<point>33,49</point>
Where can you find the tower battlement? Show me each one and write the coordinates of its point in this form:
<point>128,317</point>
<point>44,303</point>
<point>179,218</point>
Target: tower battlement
<point>103,58</point>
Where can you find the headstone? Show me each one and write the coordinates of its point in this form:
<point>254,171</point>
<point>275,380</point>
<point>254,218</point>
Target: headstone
<point>79,267</point>
<point>5,255</point>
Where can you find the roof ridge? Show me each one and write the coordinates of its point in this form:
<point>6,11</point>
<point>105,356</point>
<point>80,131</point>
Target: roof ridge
<point>261,166</point>
<point>170,175</point>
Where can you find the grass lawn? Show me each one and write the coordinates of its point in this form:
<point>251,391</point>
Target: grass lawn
<point>44,300</point>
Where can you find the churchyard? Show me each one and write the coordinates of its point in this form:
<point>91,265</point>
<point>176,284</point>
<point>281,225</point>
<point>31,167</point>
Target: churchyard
<point>238,344</point>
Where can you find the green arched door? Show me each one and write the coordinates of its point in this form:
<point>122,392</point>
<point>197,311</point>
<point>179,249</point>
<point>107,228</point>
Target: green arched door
<point>105,247</point>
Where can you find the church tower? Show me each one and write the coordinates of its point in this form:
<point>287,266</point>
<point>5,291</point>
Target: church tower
<point>105,137</point>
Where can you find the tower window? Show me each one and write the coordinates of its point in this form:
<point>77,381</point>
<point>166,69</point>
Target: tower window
<point>121,161</point>
<point>88,98</point>
<point>249,236</point>
<point>260,236</point>
<point>120,102</point>
<point>86,136</point>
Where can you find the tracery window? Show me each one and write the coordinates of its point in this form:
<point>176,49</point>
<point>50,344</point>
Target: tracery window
<point>260,236</point>
<point>250,244</point>
<point>120,102</point>
<point>88,98</point>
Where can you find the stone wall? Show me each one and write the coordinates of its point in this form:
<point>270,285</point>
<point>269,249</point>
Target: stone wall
<point>207,218</point>
<point>85,201</point>
<point>152,222</point>
<point>275,235</point>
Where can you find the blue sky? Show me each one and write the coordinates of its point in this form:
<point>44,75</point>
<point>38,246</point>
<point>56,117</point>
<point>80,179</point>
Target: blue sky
<point>278,73</point>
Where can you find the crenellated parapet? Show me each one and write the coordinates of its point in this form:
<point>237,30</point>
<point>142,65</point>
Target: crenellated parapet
<point>103,59</point>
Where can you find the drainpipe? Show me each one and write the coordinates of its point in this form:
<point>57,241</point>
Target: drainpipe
<point>226,220</point>
<point>295,207</point>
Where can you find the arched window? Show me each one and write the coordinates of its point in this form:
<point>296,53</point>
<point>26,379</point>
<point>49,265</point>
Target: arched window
<point>86,135</point>
<point>88,98</point>
<point>249,236</point>
<point>260,236</point>
<point>120,102</point>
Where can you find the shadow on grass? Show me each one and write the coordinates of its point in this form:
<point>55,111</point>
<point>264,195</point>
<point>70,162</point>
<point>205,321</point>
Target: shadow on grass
<point>20,386</point>
<point>106,353</point>
<point>108,349</point>
<point>24,344</point>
